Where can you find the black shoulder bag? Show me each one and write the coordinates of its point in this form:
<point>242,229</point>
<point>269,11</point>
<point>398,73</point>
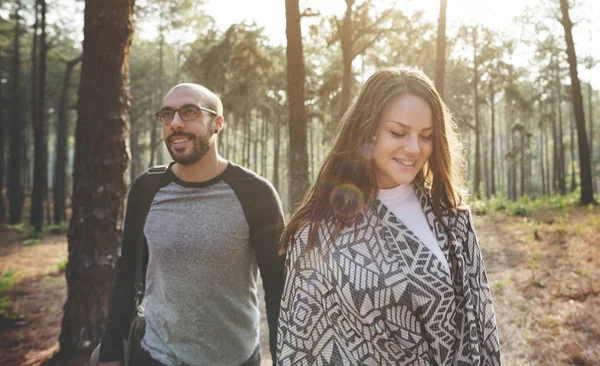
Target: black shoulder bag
<point>133,343</point>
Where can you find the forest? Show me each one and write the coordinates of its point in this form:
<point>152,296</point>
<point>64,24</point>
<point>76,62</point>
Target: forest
<point>80,82</point>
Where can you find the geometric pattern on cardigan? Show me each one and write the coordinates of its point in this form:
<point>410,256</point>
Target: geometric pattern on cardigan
<point>383,298</point>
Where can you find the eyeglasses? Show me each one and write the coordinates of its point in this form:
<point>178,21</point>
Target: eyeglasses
<point>188,112</point>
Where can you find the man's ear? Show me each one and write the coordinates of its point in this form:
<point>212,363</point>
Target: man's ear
<point>218,124</point>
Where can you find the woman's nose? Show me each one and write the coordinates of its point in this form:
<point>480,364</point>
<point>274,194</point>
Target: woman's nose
<point>412,145</point>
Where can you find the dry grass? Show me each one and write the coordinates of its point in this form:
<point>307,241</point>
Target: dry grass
<point>543,271</point>
<point>544,277</point>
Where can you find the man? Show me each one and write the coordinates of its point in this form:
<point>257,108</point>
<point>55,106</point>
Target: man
<point>211,226</point>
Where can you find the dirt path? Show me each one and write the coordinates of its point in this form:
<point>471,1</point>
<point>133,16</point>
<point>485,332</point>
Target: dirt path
<point>38,296</point>
<point>543,272</point>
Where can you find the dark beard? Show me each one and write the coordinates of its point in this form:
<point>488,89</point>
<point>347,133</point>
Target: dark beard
<point>201,145</point>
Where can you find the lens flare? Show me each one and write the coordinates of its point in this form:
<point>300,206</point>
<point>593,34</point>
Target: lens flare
<point>346,200</point>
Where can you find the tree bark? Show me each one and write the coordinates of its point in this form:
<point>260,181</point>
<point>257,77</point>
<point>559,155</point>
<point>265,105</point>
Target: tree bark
<point>276,148</point>
<point>542,158</point>
<point>2,145</point>
<point>59,186</point>
<point>298,161</point>
<point>572,150</point>
<point>14,187</point>
<point>591,114</point>
<point>493,142</point>
<point>585,164</point>
<point>100,176</point>
<point>477,168</point>
<point>347,56</point>
<point>560,166</point>
<point>523,163</point>
<point>440,62</point>
<point>40,153</point>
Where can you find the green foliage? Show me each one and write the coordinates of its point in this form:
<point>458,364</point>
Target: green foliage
<point>479,207</point>
<point>19,228</point>
<point>34,239</point>
<point>60,228</point>
<point>522,207</point>
<point>498,286</point>
<point>31,241</point>
<point>62,265</point>
<point>525,205</point>
<point>7,281</point>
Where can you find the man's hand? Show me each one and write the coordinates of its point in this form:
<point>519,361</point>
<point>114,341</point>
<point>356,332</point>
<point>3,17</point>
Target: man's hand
<point>112,363</point>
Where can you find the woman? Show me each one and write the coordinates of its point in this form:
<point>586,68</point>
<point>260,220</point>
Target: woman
<point>383,266</point>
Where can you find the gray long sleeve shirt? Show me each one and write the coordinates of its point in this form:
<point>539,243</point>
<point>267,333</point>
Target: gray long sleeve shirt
<point>206,243</point>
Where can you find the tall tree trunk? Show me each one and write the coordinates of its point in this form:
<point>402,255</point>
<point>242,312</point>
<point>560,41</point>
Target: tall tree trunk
<point>559,141</point>
<point>2,145</point>
<point>440,61</point>
<point>477,168</point>
<point>135,150</point>
<point>591,114</point>
<point>543,160</point>
<point>247,138</point>
<point>226,147</point>
<point>485,167</point>
<point>14,188</point>
<point>590,108</point>
<point>62,131</point>
<point>502,140</point>
<point>513,169</point>
<point>40,160</point>
<point>347,56</point>
<point>311,144</point>
<point>153,143</point>
<point>235,152</point>
<point>572,150</point>
<point>161,84</point>
<point>493,142</point>
<point>555,158</point>
<point>468,155</point>
<point>585,164</point>
<point>34,107</point>
<point>523,162</point>
<point>100,176</point>
<point>546,154</point>
<point>298,161</point>
<point>255,144</point>
<point>264,146</point>
<point>542,156</point>
<point>276,149</point>
<point>562,181</point>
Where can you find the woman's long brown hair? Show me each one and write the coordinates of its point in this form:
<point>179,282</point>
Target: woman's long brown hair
<point>346,182</point>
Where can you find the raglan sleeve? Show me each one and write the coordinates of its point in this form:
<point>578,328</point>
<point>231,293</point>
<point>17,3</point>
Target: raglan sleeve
<point>122,298</point>
<point>489,339</point>
<point>267,226</point>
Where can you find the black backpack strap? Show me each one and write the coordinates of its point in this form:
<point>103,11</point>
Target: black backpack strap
<point>150,186</point>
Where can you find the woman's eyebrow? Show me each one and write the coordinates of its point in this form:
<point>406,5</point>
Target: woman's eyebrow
<point>406,126</point>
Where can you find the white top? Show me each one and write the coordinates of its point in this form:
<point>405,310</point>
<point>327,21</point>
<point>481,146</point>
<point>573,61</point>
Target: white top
<point>403,203</point>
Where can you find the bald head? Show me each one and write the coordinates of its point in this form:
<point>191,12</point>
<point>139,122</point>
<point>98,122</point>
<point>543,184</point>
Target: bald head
<point>209,99</point>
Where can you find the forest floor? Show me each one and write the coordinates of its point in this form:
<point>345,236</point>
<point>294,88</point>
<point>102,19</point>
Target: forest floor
<point>544,272</point>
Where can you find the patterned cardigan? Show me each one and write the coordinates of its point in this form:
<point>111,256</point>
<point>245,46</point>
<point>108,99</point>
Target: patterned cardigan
<point>382,298</point>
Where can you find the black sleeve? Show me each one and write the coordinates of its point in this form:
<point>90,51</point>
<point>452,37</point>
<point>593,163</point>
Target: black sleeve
<point>264,236</point>
<point>121,303</point>
<point>262,208</point>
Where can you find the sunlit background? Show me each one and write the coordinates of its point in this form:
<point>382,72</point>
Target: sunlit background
<point>497,15</point>
<point>509,92</point>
